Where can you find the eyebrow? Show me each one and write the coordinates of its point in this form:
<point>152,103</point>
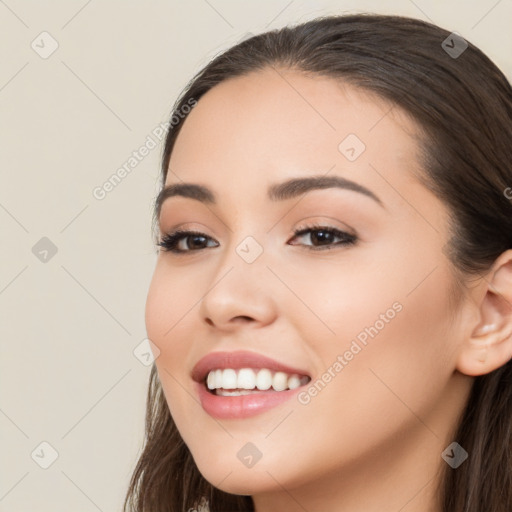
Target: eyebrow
<point>276,192</point>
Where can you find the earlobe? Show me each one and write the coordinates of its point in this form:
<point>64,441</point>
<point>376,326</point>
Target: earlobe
<point>489,344</point>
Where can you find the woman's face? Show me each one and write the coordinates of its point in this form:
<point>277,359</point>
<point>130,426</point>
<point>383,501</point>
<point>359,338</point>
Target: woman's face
<point>364,316</point>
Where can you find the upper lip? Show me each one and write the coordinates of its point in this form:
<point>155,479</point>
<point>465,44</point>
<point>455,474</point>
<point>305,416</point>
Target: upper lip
<point>236,360</point>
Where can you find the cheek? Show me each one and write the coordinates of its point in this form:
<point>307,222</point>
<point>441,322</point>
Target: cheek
<point>169,304</point>
<point>386,364</point>
<point>167,312</point>
<point>339,302</point>
<point>171,317</point>
<point>400,297</point>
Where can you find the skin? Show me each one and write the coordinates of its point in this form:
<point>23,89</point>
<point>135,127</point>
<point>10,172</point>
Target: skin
<point>371,439</point>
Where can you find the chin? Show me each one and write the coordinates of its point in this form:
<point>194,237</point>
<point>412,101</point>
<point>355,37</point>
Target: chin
<point>228,474</point>
<point>244,483</point>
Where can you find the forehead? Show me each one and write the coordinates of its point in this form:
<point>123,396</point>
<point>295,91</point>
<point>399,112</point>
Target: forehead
<point>280,118</point>
<point>271,125</point>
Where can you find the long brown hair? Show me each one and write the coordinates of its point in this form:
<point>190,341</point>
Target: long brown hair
<point>463,104</point>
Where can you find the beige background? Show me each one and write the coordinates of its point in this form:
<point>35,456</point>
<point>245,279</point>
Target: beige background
<point>70,323</point>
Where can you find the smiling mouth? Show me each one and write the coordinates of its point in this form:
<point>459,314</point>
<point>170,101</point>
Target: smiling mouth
<point>247,381</point>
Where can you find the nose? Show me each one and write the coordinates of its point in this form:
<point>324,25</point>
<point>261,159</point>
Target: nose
<point>239,293</point>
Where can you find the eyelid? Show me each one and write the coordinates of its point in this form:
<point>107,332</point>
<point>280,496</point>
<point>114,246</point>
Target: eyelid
<point>320,220</point>
<point>185,226</point>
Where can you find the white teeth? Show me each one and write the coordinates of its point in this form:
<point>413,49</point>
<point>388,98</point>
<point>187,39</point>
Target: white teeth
<point>210,381</point>
<point>294,382</point>
<point>264,379</point>
<point>246,379</point>
<point>280,381</point>
<point>229,379</point>
<point>230,382</point>
<point>237,392</point>
<point>218,378</point>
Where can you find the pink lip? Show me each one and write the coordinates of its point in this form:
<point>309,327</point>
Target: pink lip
<point>231,407</point>
<point>244,406</point>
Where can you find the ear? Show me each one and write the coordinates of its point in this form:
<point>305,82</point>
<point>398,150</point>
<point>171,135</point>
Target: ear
<point>489,345</point>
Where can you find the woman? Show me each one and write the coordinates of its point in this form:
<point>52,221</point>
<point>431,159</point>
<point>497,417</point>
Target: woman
<point>332,298</point>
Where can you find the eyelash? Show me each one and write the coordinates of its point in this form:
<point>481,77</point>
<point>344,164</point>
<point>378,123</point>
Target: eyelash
<point>169,241</point>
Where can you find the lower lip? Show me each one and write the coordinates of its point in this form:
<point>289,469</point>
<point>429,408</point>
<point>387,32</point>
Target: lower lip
<point>243,406</point>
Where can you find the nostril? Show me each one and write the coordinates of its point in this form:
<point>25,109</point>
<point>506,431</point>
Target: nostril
<point>243,318</point>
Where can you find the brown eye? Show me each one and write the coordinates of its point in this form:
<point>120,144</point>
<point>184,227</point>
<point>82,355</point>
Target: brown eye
<point>193,241</point>
<point>322,237</point>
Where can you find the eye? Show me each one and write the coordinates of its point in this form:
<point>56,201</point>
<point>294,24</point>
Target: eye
<point>324,236</point>
<point>172,242</point>
<point>181,241</point>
